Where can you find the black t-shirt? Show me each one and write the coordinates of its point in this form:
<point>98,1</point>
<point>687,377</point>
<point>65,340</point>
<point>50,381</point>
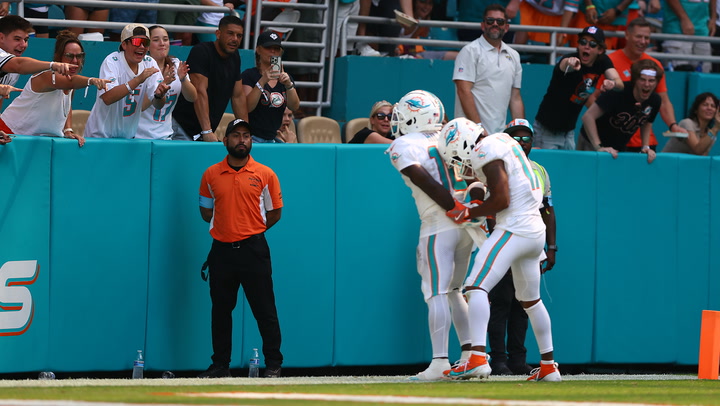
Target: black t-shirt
<point>221,73</point>
<point>361,136</point>
<point>622,116</point>
<point>267,117</point>
<point>567,93</point>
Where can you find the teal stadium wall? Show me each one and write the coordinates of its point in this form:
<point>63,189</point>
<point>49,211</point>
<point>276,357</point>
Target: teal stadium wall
<point>116,231</point>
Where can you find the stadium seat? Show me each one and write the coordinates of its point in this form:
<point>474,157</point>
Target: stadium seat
<point>355,125</point>
<point>222,126</point>
<point>318,129</point>
<point>79,118</point>
<point>286,16</point>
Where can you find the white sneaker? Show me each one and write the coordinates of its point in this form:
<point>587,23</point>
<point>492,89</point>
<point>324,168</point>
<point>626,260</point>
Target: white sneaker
<point>367,50</point>
<point>433,373</point>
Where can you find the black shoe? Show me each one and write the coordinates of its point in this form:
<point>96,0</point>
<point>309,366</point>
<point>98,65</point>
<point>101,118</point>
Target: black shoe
<point>272,372</point>
<point>521,369</point>
<point>216,371</point>
<point>500,368</point>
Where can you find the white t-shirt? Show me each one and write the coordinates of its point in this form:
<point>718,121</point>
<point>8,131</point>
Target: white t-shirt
<point>7,78</point>
<point>421,149</point>
<point>493,75</point>
<point>121,119</point>
<point>38,113</point>
<point>157,124</point>
<point>522,216</point>
<point>212,18</point>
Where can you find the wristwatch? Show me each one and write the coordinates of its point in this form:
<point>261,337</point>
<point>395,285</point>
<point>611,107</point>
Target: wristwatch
<point>552,247</point>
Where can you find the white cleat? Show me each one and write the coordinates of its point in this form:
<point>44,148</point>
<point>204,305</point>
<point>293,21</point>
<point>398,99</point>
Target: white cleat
<point>433,373</point>
<point>539,375</point>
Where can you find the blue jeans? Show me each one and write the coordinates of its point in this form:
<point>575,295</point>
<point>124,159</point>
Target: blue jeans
<point>130,15</point>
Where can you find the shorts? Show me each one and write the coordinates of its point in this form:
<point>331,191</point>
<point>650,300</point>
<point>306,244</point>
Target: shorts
<point>39,29</point>
<point>547,139</point>
<point>167,17</point>
<point>529,15</point>
<point>129,15</point>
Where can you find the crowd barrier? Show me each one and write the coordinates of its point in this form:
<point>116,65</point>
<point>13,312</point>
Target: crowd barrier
<point>115,230</point>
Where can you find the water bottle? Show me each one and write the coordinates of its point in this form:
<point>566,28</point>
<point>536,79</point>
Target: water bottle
<point>46,376</point>
<point>254,365</point>
<point>138,366</point>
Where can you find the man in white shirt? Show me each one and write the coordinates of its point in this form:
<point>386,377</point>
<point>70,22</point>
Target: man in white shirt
<point>488,75</point>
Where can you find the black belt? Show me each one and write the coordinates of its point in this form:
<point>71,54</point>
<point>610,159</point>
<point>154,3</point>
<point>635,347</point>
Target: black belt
<point>238,244</point>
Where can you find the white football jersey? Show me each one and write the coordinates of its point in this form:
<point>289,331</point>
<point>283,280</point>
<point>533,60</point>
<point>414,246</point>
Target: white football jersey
<point>421,149</point>
<point>522,216</point>
<point>121,119</point>
<point>157,124</point>
<point>7,78</point>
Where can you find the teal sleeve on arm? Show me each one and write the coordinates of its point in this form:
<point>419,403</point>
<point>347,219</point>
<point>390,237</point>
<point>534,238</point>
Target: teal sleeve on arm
<point>207,202</point>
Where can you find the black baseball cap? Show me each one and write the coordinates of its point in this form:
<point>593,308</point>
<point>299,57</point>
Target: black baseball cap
<point>269,38</point>
<point>595,32</point>
<point>235,124</point>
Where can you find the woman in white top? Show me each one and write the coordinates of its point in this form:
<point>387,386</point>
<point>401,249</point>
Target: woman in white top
<point>135,83</point>
<point>44,106</point>
<point>156,124</point>
<point>700,125</point>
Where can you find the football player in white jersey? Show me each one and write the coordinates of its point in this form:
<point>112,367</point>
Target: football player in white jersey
<point>136,83</point>
<point>156,124</point>
<point>444,247</point>
<point>516,242</point>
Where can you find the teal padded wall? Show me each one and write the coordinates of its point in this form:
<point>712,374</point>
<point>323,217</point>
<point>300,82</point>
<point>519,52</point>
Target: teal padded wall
<point>25,201</point>
<point>99,252</point>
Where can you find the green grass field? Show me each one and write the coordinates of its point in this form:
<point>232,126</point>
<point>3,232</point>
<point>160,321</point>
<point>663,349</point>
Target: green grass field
<point>675,391</point>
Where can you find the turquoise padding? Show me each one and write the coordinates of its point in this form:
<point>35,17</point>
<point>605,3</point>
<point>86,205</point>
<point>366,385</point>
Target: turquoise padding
<point>99,253</point>
<point>381,317</point>
<point>634,262</point>
<point>25,230</point>
<point>714,241</point>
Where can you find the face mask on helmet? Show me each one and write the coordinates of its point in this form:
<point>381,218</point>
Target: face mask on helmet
<point>456,143</point>
<point>417,111</point>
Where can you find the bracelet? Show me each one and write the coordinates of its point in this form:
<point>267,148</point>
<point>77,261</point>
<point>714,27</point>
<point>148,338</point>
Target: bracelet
<point>292,86</point>
<point>618,12</point>
<point>670,126</point>
<point>127,86</point>
<point>68,130</point>
<point>257,84</point>
<point>51,65</point>
<point>645,148</point>
<point>203,132</point>
<point>552,247</point>
<point>590,7</point>
<point>183,79</point>
<point>158,98</point>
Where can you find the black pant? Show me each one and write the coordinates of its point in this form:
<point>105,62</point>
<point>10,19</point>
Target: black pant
<point>506,315</point>
<point>245,263</point>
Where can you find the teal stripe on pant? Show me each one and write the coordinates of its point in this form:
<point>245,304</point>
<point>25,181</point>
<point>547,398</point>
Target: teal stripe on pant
<point>492,255</point>
<point>432,263</point>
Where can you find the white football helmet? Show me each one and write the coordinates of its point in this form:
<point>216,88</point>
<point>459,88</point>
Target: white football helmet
<point>417,111</point>
<point>456,143</point>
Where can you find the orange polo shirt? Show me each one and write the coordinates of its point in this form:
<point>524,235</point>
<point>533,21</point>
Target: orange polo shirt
<point>240,199</point>
<point>622,65</point>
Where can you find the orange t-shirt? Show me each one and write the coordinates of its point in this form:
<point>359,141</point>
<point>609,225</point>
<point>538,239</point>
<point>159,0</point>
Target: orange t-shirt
<point>622,64</point>
<point>240,199</point>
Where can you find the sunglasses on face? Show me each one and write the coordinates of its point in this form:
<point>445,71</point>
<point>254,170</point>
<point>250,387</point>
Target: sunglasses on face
<point>138,41</point>
<point>584,41</point>
<point>70,56</point>
<point>490,21</point>
<point>383,116</point>
<point>523,139</point>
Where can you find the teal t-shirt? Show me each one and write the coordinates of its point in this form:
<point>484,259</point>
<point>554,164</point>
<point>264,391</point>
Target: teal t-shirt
<point>474,10</point>
<point>697,10</point>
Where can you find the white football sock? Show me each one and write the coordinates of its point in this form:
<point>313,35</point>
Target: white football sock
<point>459,311</point>
<point>479,310</point>
<point>439,322</point>
<point>540,322</point>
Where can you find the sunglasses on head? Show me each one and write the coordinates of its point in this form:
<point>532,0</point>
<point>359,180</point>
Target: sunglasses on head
<point>138,41</point>
<point>490,21</point>
<point>71,56</point>
<point>383,116</point>
<point>584,41</point>
<point>523,139</point>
